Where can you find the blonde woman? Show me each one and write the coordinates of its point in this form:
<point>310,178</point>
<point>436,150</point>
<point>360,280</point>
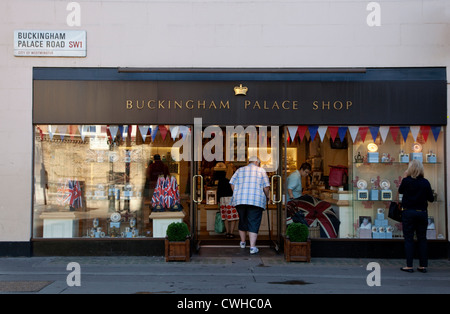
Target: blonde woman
<point>417,193</point>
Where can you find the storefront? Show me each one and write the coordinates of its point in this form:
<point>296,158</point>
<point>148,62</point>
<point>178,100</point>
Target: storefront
<point>100,132</point>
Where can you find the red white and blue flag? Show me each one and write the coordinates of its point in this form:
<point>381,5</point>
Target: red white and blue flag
<point>315,211</point>
<point>76,200</point>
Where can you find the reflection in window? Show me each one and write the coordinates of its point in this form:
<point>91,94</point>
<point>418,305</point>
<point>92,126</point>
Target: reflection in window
<point>98,181</point>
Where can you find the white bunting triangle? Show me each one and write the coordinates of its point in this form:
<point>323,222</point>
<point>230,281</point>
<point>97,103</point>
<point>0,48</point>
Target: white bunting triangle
<point>174,129</point>
<point>322,130</point>
<point>51,131</point>
<point>384,130</point>
<point>353,132</point>
<point>113,130</point>
<point>144,129</point>
<point>292,131</point>
<point>415,131</point>
<point>184,130</point>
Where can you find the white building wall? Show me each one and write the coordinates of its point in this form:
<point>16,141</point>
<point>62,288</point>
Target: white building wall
<point>201,33</point>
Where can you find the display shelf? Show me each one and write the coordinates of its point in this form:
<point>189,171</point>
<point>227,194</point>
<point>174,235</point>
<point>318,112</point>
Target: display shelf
<point>369,209</point>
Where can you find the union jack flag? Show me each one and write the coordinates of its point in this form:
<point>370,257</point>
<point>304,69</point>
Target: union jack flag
<point>76,200</point>
<point>316,210</point>
<point>158,193</point>
<point>168,193</point>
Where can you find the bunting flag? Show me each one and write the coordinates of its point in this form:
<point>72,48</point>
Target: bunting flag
<point>153,131</point>
<point>322,130</point>
<point>313,131</point>
<point>374,132</point>
<point>394,132</point>
<point>292,131</point>
<point>83,129</point>
<point>174,130</point>
<point>62,131</point>
<point>333,131</point>
<point>415,131</point>
<point>425,130</point>
<point>363,132</point>
<point>342,131</point>
<point>72,131</point>
<point>384,130</point>
<point>51,131</point>
<point>163,131</point>
<point>143,129</point>
<point>184,131</point>
<point>301,131</point>
<point>436,130</point>
<point>353,132</point>
<point>404,130</point>
<point>113,131</point>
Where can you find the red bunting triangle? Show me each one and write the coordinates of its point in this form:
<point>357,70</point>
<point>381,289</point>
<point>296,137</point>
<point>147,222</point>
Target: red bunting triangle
<point>333,131</point>
<point>301,131</point>
<point>163,131</point>
<point>425,130</point>
<point>363,132</point>
<point>394,132</point>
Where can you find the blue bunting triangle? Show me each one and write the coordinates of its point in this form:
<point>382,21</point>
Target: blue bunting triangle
<point>313,131</point>
<point>436,130</point>
<point>374,131</point>
<point>404,130</point>
<point>342,131</point>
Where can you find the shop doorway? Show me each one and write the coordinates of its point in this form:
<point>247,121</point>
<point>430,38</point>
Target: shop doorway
<point>223,150</point>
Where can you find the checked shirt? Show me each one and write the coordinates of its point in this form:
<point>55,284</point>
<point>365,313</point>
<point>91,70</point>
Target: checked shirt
<point>249,182</point>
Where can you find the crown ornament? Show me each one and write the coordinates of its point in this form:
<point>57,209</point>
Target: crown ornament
<point>240,90</point>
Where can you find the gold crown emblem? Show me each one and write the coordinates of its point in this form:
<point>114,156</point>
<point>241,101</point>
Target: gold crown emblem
<point>240,90</point>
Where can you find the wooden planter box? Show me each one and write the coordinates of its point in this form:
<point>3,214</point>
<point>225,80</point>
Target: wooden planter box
<point>178,250</point>
<point>297,251</point>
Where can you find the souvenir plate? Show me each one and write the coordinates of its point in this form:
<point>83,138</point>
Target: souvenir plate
<point>372,147</point>
<point>115,217</point>
<point>385,184</point>
<point>417,147</point>
<point>361,184</point>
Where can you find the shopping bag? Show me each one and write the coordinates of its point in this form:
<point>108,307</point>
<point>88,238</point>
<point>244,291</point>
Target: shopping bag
<point>395,211</point>
<point>219,225</point>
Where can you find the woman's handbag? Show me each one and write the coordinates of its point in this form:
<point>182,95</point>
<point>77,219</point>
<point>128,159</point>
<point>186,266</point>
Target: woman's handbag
<point>395,211</point>
<point>219,225</point>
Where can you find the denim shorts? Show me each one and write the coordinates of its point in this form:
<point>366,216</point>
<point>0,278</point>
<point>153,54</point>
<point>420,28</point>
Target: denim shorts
<point>249,218</point>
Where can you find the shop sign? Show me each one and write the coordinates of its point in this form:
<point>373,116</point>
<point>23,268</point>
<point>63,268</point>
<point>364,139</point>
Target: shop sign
<point>49,43</point>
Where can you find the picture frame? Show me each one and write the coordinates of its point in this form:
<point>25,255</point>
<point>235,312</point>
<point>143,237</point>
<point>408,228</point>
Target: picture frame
<point>211,197</point>
<point>365,222</point>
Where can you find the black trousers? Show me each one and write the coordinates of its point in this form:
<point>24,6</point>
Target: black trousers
<point>415,221</point>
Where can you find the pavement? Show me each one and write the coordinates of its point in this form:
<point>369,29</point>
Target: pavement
<point>217,272</point>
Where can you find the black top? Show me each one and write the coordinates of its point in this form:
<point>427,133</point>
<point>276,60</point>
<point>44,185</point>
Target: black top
<point>416,193</point>
<point>223,187</point>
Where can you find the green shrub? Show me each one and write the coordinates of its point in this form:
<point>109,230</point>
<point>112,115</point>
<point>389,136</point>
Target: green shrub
<point>177,231</point>
<point>297,232</point>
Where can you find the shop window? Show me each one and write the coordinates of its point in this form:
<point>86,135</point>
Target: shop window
<point>368,162</point>
<point>98,181</point>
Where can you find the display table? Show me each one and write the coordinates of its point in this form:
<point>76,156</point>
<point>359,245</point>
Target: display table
<point>161,220</point>
<point>60,224</point>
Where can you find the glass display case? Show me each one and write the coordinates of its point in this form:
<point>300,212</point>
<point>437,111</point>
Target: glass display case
<point>370,169</point>
<point>377,170</point>
<point>95,181</point>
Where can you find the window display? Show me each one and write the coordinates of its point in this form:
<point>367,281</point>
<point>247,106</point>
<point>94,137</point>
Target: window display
<point>103,181</point>
<point>370,168</point>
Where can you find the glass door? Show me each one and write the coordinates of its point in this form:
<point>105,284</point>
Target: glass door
<point>220,151</point>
